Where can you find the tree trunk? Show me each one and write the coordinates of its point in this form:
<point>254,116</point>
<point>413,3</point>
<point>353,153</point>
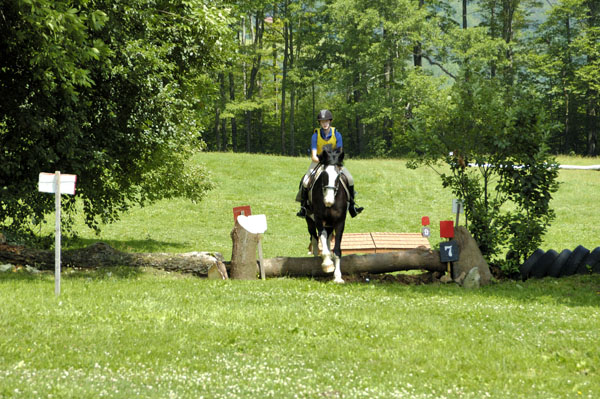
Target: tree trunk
<point>358,124</point>
<point>592,124</point>
<point>291,150</point>
<point>220,123</point>
<point>284,82</point>
<point>234,143</point>
<point>257,46</point>
<point>592,109</point>
<point>414,259</point>
<point>418,48</point>
<point>102,255</point>
<point>216,127</point>
<point>387,82</point>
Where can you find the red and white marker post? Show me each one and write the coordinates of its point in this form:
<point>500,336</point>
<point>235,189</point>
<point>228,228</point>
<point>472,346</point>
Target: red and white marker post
<point>448,249</point>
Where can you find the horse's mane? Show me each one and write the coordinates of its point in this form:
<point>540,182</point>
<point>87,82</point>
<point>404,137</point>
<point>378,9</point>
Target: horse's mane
<point>331,156</point>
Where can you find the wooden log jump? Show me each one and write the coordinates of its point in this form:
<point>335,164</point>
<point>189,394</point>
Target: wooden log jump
<point>412,259</point>
<point>371,243</point>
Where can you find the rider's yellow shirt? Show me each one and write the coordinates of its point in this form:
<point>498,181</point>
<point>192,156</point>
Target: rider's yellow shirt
<point>321,142</point>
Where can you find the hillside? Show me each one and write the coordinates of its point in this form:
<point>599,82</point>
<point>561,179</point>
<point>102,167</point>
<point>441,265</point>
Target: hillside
<point>395,198</point>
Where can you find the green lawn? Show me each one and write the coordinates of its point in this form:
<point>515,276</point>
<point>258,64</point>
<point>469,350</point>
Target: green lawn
<point>146,334</point>
<point>127,333</point>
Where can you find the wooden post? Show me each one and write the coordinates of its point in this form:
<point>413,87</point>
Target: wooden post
<point>246,235</point>
<point>243,256</point>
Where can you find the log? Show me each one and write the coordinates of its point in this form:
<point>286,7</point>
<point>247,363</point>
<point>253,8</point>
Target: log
<point>199,263</point>
<point>414,259</point>
<point>243,255</point>
<point>103,255</point>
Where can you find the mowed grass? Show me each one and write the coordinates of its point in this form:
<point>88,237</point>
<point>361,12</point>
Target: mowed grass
<point>144,333</point>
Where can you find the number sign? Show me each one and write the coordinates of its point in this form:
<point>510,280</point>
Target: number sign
<point>425,231</point>
<point>449,251</point>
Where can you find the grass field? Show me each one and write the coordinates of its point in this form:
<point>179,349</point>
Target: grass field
<point>395,199</point>
<point>128,333</point>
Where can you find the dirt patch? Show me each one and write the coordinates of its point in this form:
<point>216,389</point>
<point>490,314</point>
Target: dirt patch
<point>394,278</point>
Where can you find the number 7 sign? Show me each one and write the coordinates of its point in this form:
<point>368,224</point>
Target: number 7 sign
<point>449,251</point>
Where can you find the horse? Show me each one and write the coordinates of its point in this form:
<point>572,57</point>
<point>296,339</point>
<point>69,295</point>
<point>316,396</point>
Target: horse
<point>329,206</point>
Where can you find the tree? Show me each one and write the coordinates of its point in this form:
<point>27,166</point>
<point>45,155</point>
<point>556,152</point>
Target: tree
<point>109,90</point>
<point>499,164</point>
<point>567,67</point>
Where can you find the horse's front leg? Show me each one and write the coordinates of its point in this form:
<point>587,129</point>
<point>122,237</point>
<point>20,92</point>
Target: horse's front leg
<point>314,238</point>
<point>337,252</point>
<point>327,264</point>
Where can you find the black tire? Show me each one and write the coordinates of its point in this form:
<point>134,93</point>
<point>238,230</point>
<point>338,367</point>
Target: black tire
<point>526,267</point>
<point>559,262</point>
<point>574,260</point>
<point>540,268</point>
<point>592,261</point>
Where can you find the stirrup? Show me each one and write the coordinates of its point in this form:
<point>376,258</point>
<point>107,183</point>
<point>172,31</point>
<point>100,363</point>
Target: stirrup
<point>301,213</point>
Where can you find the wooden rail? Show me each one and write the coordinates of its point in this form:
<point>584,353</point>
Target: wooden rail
<point>370,243</point>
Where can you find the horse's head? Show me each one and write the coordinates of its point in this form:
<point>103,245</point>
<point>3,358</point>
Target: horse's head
<point>330,156</point>
<point>332,159</point>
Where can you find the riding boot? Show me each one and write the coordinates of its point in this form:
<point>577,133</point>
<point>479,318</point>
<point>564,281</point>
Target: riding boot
<point>303,202</point>
<point>352,208</point>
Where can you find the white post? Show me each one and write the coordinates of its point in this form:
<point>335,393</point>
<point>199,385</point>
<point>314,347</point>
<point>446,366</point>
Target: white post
<point>51,183</point>
<point>57,236</point>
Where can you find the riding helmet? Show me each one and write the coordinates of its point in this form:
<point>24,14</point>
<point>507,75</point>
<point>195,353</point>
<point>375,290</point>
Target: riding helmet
<point>324,115</point>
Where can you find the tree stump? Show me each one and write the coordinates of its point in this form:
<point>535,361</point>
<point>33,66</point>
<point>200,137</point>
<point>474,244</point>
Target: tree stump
<point>243,256</point>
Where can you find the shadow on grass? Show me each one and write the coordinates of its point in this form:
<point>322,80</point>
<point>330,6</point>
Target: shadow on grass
<point>148,245</point>
<point>101,273</point>
<point>573,291</point>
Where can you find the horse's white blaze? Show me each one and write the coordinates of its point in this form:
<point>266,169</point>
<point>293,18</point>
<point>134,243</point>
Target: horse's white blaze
<point>329,195</point>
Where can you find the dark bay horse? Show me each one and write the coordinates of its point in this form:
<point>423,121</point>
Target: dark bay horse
<point>329,206</point>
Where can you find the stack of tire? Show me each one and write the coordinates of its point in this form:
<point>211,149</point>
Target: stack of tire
<point>566,263</point>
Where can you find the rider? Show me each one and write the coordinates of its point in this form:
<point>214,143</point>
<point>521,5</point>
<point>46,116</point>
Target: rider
<point>327,134</point>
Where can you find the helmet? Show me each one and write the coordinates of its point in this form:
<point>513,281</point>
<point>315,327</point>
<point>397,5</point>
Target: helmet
<point>324,115</point>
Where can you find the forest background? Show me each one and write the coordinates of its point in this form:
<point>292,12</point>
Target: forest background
<point>376,63</point>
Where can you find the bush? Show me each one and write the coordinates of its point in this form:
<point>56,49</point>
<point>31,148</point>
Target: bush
<point>493,142</point>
